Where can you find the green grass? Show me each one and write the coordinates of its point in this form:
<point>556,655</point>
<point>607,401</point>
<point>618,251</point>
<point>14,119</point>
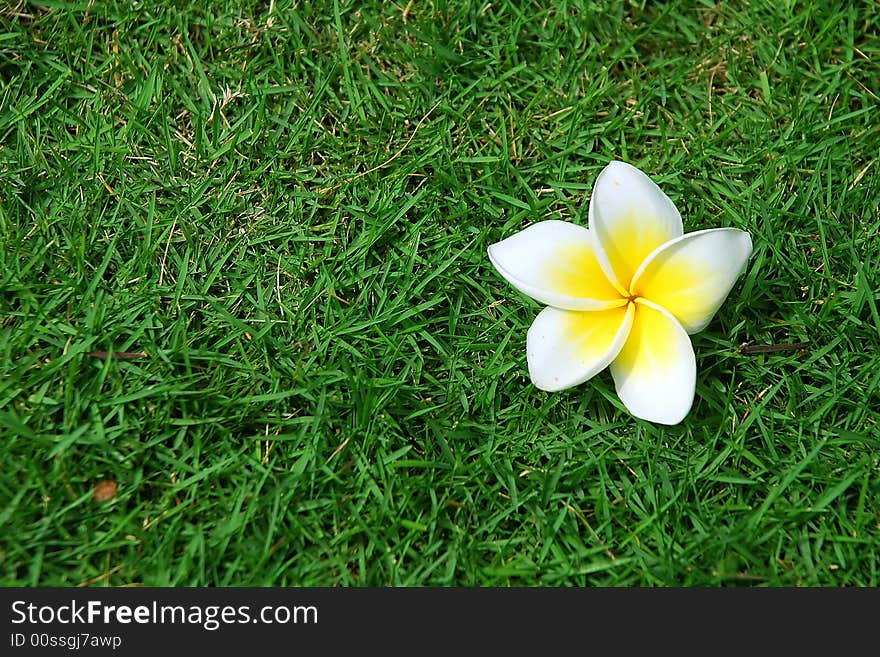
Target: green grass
<point>285,207</point>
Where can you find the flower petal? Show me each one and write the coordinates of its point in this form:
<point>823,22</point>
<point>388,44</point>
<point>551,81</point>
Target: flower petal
<point>655,373</point>
<point>691,276</point>
<point>554,263</point>
<point>565,348</point>
<point>630,216</point>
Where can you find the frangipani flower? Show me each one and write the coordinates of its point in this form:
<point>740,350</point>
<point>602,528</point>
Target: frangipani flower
<point>625,293</point>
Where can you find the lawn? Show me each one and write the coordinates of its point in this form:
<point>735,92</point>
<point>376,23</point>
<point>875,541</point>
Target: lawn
<point>251,335</point>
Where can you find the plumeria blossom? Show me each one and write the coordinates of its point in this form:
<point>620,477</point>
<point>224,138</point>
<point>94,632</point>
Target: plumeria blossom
<point>625,293</point>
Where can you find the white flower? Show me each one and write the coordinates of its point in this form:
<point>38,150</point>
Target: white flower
<point>626,293</point>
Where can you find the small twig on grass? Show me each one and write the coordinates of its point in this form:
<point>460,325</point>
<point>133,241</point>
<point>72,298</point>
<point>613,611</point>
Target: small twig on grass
<point>101,577</point>
<point>339,449</point>
<point>753,349</point>
<point>278,284</point>
<point>580,515</point>
<point>165,255</point>
<point>860,175</point>
<point>409,7</point>
<point>390,159</point>
<point>122,355</point>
